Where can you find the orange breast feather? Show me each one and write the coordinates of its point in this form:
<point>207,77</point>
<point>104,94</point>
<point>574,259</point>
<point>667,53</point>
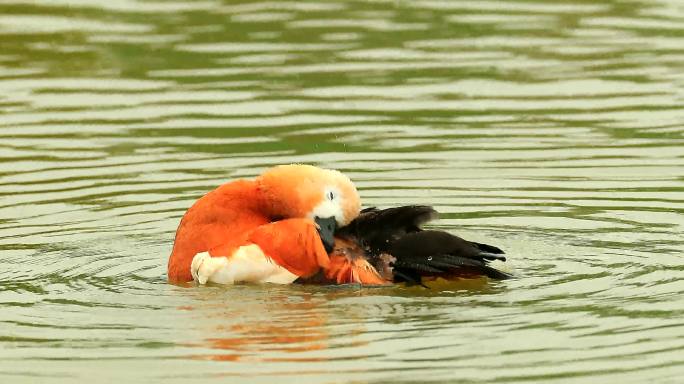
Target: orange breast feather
<point>218,222</point>
<point>293,244</point>
<point>234,215</point>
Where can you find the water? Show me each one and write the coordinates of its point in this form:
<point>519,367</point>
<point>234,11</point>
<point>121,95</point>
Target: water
<point>551,129</point>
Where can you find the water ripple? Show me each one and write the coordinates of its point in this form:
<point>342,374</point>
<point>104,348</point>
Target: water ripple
<point>553,130</point>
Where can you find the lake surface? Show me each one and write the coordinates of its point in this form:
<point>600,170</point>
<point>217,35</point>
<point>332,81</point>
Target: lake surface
<point>554,130</point>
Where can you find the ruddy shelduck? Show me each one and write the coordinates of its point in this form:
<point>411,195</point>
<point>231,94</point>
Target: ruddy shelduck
<point>273,229</point>
<point>303,223</point>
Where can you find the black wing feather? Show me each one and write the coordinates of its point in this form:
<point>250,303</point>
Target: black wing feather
<point>446,251</point>
<point>419,253</point>
<point>378,228</point>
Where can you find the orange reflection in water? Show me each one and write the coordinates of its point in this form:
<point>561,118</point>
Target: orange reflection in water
<point>276,328</point>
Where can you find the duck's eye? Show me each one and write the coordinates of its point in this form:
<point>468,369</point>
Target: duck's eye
<point>331,195</point>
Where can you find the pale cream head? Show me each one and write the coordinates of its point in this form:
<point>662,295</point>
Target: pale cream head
<point>298,191</point>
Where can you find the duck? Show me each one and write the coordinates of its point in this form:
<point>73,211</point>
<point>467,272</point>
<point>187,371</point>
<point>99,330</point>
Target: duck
<point>299,223</point>
<point>275,228</point>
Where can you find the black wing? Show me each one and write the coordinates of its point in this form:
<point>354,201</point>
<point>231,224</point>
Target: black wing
<point>377,229</point>
<point>439,253</point>
<point>419,253</point>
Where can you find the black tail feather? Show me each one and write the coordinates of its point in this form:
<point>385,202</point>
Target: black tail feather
<point>491,256</point>
<point>487,248</point>
<point>494,273</point>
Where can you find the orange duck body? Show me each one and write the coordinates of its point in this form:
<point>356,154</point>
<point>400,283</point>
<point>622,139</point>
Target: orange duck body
<point>274,229</point>
<point>302,223</point>
<point>235,215</point>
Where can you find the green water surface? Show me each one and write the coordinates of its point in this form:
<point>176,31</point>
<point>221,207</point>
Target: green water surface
<point>553,129</point>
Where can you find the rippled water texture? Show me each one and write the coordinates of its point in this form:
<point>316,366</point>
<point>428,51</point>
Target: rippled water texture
<point>553,129</point>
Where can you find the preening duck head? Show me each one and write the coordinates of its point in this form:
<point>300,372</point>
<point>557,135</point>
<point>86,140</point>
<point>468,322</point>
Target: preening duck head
<point>323,195</point>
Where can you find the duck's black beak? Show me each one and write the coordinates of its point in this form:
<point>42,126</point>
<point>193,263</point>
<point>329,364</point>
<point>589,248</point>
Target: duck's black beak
<point>326,230</point>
